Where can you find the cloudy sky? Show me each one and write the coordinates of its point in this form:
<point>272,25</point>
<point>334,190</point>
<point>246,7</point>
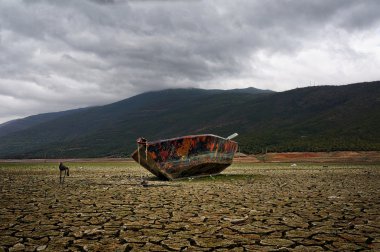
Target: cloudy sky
<point>57,55</point>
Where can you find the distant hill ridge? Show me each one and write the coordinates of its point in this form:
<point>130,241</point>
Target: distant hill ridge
<point>320,118</point>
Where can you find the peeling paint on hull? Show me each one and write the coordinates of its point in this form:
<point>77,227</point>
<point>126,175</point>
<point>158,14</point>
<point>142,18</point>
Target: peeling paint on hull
<point>187,156</point>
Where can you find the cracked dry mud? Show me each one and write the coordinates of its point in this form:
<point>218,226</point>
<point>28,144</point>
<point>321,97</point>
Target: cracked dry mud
<point>257,207</point>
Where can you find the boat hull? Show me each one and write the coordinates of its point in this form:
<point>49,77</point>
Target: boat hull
<point>188,156</point>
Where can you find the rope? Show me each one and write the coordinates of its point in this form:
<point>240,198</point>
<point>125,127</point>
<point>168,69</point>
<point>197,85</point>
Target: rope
<point>146,152</point>
<point>138,153</point>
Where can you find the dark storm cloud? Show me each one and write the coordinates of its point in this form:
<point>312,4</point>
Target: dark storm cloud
<point>64,54</point>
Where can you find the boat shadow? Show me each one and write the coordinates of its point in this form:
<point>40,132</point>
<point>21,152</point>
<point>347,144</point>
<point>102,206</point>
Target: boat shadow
<point>155,181</point>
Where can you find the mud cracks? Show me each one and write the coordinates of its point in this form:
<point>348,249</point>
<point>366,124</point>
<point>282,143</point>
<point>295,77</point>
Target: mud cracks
<point>105,208</point>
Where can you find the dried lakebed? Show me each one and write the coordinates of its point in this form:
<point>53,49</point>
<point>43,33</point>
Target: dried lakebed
<point>252,207</point>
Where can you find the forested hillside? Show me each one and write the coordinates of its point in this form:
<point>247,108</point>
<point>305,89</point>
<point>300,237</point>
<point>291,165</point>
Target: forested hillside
<point>321,118</point>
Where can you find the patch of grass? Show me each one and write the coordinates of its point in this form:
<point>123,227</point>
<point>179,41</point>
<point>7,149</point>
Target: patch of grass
<point>243,167</point>
<point>72,165</point>
<point>27,165</point>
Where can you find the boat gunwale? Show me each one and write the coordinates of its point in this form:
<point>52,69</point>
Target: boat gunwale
<point>188,136</point>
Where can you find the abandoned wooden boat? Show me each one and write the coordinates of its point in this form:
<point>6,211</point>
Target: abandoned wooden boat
<point>187,156</point>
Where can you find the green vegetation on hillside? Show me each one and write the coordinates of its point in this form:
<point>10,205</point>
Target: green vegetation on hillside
<point>324,118</point>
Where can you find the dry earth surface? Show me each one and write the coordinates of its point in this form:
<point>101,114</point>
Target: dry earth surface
<point>252,207</point>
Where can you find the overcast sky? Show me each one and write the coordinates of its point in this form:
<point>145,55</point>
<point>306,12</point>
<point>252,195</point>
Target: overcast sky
<point>57,55</point>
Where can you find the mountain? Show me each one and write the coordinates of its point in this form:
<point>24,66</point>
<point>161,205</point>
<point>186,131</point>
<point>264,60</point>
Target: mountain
<point>30,121</point>
<point>322,118</point>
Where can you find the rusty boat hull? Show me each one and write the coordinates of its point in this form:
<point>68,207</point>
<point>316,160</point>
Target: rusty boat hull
<point>188,156</point>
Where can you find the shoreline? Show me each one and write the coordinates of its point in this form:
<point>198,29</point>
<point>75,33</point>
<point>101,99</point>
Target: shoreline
<point>282,157</point>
